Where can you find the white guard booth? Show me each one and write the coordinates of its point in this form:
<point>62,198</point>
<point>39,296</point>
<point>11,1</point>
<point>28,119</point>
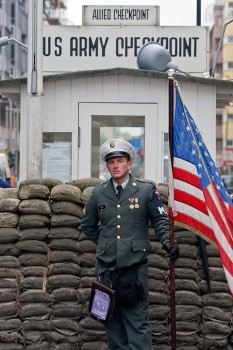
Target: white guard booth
<point>83,109</point>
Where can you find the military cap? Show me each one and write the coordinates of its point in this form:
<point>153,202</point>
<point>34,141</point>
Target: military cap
<point>116,148</point>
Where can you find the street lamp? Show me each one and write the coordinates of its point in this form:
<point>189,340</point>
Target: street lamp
<point>212,70</point>
<point>154,56</point>
<point>6,41</point>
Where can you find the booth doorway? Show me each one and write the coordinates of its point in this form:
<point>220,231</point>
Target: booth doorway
<point>134,122</point>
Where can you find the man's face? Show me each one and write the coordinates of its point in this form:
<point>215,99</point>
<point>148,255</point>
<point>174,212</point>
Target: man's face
<point>119,168</point>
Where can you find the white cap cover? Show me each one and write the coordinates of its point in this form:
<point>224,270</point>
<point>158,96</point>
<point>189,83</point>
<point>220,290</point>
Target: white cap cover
<point>116,148</point>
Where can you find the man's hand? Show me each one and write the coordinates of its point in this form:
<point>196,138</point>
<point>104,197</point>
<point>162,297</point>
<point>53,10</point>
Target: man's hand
<point>173,253</point>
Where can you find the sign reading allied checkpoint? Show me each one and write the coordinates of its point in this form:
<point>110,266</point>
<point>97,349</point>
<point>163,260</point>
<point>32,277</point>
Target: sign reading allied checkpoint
<point>72,48</point>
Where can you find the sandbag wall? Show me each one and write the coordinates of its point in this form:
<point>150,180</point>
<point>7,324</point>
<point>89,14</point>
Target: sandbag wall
<point>47,266</point>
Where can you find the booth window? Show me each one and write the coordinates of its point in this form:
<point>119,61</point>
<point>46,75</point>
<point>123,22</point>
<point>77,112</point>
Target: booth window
<point>129,128</point>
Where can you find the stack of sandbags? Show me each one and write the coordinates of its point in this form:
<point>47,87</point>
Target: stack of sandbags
<point>217,304</point>
<point>92,333</point>
<point>35,302</point>
<point>158,287</point>
<point>64,269</point>
<point>188,300</point>
<point>10,324</point>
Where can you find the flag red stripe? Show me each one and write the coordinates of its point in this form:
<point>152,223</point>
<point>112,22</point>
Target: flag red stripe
<point>218,216</point>
<point>186,176</point>
<point>191,200</point>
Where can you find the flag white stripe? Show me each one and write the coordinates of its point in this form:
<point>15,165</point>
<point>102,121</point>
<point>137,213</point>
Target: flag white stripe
<point>190,189</point>
<point>220,237</point>
<point>193,212</point>
<point>187,166</point>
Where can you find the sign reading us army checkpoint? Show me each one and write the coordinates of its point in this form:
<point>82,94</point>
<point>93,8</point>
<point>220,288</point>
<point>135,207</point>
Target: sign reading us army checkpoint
<point>72,48</point>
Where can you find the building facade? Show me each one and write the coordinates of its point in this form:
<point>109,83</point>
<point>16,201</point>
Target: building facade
<point>223,14</point>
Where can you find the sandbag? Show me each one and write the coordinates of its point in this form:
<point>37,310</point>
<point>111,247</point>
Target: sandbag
<point>59,281</point>
<point>29,221</point>
<point>64,232</point>
<point>8,193</point>
<point>8,219</point>
<point>9,262</point>
<point>10,205</point>
<point>67,207</point>
<point>33,259</point>
<point>67,309</point>
<point>35,311</point>
<point>65,294</point>
<point>86,182</point>
<point>32,246</point>
<point>35,296</point>
<point>63,268</point>
<point>33,191</point>
<point>68,193</point>
<point>8,235</point>
<point>35,206</point>
<point>60,220</point>
<point>46,181</point>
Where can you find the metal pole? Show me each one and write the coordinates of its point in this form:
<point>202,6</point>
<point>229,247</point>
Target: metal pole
<point>198,12</point>
<point>171,219</point>
<point>212,71</point>
<point>34,89</point>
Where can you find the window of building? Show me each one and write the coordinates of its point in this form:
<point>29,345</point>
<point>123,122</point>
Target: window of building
<point>230,9</point>
<point>13,13</point>
<point>229,143</point>
<point>12,48</point>
<point>218,119</point>
<point>2,115</point>
<point>230,118</point>
<point>219,21</point>
<point>217,41</point>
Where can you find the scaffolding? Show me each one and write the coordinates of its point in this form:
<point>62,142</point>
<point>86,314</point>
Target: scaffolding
<point>55,12</point>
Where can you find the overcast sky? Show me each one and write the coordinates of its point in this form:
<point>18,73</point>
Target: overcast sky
<point>172,12</point>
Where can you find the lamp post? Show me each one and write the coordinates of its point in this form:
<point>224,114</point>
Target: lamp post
<point>153,56</point>
<point>34,89</point>
<point>212,70</point>
<point>34,86</point>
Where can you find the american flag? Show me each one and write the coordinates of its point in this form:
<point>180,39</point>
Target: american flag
<point>198,198</point>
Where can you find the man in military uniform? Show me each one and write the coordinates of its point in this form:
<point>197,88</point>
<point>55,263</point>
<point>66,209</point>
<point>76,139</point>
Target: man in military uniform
<point>116,218</point>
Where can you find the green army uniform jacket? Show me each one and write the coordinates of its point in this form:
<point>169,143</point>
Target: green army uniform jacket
<point>119,226</point>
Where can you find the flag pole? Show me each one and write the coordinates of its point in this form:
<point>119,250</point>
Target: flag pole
<point>171,219</point>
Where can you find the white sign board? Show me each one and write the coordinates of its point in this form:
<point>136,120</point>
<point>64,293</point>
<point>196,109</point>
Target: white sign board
<point>121,15</point>
<point>72,48</point>
<point>56,160</point>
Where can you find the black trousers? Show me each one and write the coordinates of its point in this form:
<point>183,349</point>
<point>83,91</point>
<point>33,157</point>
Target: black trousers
<point>129,327</point>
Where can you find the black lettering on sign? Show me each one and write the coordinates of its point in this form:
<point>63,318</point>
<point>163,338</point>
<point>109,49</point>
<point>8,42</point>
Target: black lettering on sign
<point>47,46</point>
<point>131,14</point>
<point>48,49</point>
<point>99,14</point>
<point>58,52</point>
<point>179,47</point>
<point>103,45</point>
<point>83,46</point>
<point>119,45</point>
<point>73,46</point>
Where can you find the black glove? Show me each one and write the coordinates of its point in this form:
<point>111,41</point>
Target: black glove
<point>173,253</point>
